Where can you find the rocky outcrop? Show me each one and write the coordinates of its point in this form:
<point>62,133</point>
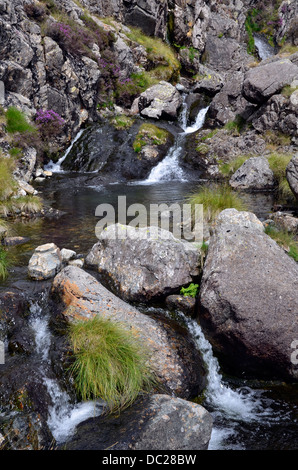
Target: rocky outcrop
<point>254,174</point>
<point>292,175</point>
<point>248,298</point>
<point>145,263</point>
<point>81,296</point>
<point>160,101</point>
<point>159,422</point>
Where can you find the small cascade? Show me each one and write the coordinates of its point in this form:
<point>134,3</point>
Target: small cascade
<point>263,47</point>
<point>169,168</point>
<point>56,167</point>
<point>63,416</point>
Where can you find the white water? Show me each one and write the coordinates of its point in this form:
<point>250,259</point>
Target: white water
<point>169,168</point>
<point>241,405</point>
<point>264,49</point>
<point>63,415</point>
<point>56,167</point>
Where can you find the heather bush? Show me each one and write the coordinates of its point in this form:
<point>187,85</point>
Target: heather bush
<point>50,123</point>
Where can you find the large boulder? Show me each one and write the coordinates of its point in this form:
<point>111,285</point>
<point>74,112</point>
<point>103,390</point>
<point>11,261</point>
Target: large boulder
<point>292,175</point>
<point>145,263</point>
<point>81,296</point>
<point>159,422</point>
<point>45,262</point>
<point>264,81</point>
<point>254,174</point>
<point>161,100</point>
<point>248,298</point>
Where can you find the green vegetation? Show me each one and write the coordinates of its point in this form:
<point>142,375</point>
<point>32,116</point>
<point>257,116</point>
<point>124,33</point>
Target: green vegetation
<point>149,134</point>
<point>203,149</point>
<point>285,239</point>
<point>229,168</point>
<point>16,122</point>
<point>27,204</point>
<point>274,140</point>
<point>190,291</point>
<point>122,122</point>
<point>251,27</point>
<point>288,90</point>
<point>209,135</point>
<point>215,199</point>
<point>278,163</point>
<point>110,363</point>
<point>3,264</point>
<point>263,21</point>
<point>7,183</point>
<point>236,126</point>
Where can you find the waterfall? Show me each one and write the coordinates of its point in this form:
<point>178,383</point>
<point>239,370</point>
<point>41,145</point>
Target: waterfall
<point>169,168</point>
<point>63,415</point>
<point>263,47</point>
<point>56,167</point>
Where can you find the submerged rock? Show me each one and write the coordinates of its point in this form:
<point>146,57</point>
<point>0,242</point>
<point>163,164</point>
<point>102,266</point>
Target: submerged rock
<point>254,174</point>
<point>146,263</point>
<point>248,298</point>
<point>45,262</point>
<point>158,422</point>
<point>81,296</point>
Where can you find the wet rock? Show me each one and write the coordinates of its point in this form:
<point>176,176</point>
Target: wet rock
<point>146,263</point>
<point>292,175</point>
<point>208,81</point>
<point>160,101</point>
<point>45,262</point>
<point>285,221</point>
<point>248,299</point>
<point>181,303</point>
<point>13,241</point>
<point>78,295</point>
<point>159,422</point>
<point>260,83</point>
<point>254,174</point>
<point>67,255</point>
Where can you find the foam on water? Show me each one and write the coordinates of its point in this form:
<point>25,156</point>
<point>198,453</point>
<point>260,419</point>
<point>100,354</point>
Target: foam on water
<point>56,167</point>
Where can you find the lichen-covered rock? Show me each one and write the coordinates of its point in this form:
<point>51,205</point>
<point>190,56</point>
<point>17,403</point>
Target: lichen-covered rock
<point>45,262</point>
<point>81,296</point>
<point>146,263</point>
<point>254,174</point>
<point>248,298</point>
<point>161,100</point>
<point>159,422</point>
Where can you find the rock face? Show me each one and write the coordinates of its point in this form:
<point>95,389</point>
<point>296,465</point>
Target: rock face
<point>254,174</point>
<point>248,298</point>
<point>81,297</point>
<point>45,262</point>
<point>146,263</point>
<point>292,175</point>
<point>264,81</point>
<point>161,100</point>
<point>181,303</point>
<point>159,422</point>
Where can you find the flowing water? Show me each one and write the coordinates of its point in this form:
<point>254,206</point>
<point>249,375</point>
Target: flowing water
<point>265,50</point>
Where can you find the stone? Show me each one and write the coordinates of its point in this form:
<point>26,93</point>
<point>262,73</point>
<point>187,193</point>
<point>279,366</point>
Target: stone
<point>292,175</point>
<point>182,303</point>
<point>78,295</point>
<point>146,263</point>
<point>79,263</point>
<point>160,101</point>
<point>248,299</point>
<point>285,221</point>
<point>261,82</point>
<point>45,262</point>
<point>254,174</point>
<point>67,255</point>
<point>158,422</point>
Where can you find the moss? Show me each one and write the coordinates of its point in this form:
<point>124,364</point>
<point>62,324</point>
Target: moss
<point>122,122</point>
<point>190,291</point>
<point>149,134</point>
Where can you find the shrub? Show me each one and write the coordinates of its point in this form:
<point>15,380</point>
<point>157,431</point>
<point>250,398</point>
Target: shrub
<point>50,123</point>
<point>110,363</point>
<point>190,291</point>
<point>215,199</point>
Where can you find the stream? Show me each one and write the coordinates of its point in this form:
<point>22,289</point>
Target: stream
<point>247,415</point>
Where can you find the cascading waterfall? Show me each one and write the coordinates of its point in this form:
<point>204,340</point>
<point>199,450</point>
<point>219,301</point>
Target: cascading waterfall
<point>263,47</point>
<point>241,405</point>
<point>169,168</point>
<point>63,415</point>
<point>56,167</point>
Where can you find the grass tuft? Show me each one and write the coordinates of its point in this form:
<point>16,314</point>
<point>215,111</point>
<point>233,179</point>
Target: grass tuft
<point>285,239</point>
<point>110,363</point>
<point>16,121</point>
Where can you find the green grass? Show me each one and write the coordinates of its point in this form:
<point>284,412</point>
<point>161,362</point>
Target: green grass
<point>122,122</point>
<point>288,90</point>
<point>16,122</point>
<point>229,168</point>
<point>7,183</point>
<point>278,163</point>
<point>235,127</point>
<point>27,204</point>
<point>3,264</point>
<point>215,199</point>
<point>110,363</point>
<point>285,239</point>
<point>149,134</point>
<point>190,291</point>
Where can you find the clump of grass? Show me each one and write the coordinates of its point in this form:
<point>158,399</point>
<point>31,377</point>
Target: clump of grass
<point>149,134</point>
<point>7,183</point>
<point>235,127</point>
<point>16,122</point>
<point>285,239</point>
<point>288,90</point>
<point>190,291</point>
<point>229,168</point>
<point>216,199</point>
<point>278,163</point>
<point>3,264</point>
<point>110,363</point>
<point>27,204</point>
<point>122,122</point>
<point>276,139</point>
